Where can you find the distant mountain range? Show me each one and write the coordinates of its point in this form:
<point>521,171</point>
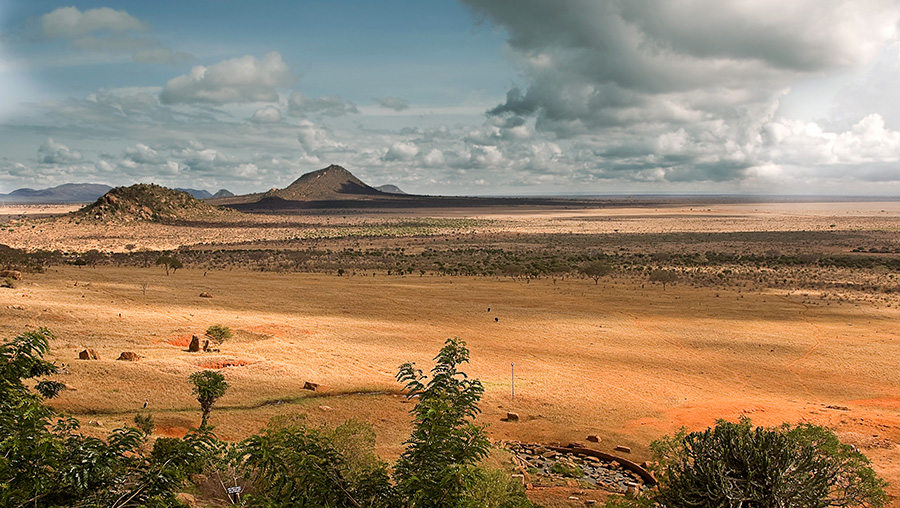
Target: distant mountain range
<point>204,194</point>
<point>82,193</point>
<point>66,193</point>
<point>390,189</point>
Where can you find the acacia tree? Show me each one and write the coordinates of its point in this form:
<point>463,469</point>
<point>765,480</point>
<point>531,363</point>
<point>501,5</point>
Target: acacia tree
<point>664,277</point>
<point>735,464</point>
<point>438,467</point>
<point>169,262</point>
<point>597,270</point>
<point>209,386</point>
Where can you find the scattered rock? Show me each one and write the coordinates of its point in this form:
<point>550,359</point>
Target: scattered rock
<point>187,499</point>
<point>594,438</point>
<point>623,449</point>
<point>70,387</point>
<point>95,423</point>
<point>205,295</point>
<point>15,307</point>
<point>325,408</point>
<point>88,354</point>
<point>194,346</point>
<point>129,356</point>
<point>310,386</point>
<point>512,417</point>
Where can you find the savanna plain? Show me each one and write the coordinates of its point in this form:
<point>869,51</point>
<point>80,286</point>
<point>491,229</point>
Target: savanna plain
<point>778,311</point>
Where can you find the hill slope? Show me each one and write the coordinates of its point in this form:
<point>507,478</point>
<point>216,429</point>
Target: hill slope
<point>149,202</point>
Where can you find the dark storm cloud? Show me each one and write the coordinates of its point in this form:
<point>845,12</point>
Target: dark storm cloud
<point>639,70</point>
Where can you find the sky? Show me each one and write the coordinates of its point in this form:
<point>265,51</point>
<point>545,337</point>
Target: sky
<point>455,97</point>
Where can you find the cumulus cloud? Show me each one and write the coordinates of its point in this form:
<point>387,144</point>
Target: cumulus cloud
<point>395,103</point>
<point>267,114</point>
<point>108,30</point>
<point>674,90</point>
<point>331,105</point>
<point>244,79</point>
<point>51,152</point>
<point>400,151</point>
<point>807,143</point>
<point>143,154</point>
<point>315,139</point>
<point>71,22</point>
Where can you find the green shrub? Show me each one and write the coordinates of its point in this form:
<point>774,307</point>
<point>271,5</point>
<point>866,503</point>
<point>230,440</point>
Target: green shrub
<point>219,332</point>
<point>144,423</point>
<point>736,464</point>
<point>567,469</point>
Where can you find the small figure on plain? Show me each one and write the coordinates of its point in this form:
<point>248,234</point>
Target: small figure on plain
<point>146,403</point>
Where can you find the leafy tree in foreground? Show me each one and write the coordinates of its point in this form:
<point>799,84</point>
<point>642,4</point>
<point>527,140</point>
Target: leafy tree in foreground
<point>293,465</point>
<point>45,462</point>
<point>737,465</point>
<point>209,386</point>
<point>438,467</point>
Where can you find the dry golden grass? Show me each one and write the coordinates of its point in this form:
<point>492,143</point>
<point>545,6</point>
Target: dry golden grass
<point>623,359</point>
<point>626,362</point>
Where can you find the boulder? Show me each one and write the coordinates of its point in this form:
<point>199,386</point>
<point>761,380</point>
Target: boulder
<point>88,354</point>
<point>593,438</point>
<point>12,274</point>
<point>623,449</point>
<point>205,295</point>
<point>512,417</point>
<point>195,344</point>
<point>310,386</point>
<point>186,499</point>
<point>129,356</point>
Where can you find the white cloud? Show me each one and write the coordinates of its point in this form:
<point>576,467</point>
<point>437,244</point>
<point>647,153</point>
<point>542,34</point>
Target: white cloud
<point>395,103</point>
<point>243,79</point>
<point>143,154</point>
<point>806,143</point>
<point>315,139</point>
<point>51,152</point>
<point>71,22</point>
<point>400,151</point>
<point>331,105</point>
<point>106,30</point>
<point>267,114</point>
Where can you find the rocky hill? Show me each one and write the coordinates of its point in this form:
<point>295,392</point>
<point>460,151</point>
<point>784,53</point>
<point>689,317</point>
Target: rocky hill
<point>149,202</point>
<point>333,182</point>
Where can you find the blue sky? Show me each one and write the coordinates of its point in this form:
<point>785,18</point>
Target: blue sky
<point>455,97</point>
